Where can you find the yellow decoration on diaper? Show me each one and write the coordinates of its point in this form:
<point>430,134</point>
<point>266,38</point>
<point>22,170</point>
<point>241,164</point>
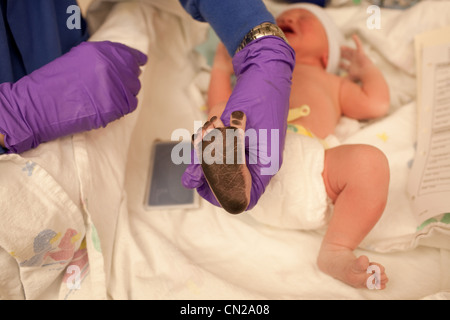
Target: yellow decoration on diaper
<point>297,128</point>
<point>297,113</point>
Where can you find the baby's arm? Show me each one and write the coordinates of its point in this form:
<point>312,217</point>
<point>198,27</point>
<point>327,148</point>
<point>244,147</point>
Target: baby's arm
<point>220,84</point>
<point>370,98</point>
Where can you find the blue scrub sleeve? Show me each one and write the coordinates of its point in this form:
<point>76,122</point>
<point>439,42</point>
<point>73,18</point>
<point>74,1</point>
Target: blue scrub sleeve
<point>230,19</point>
<point>34,33</point>
<point>2,150</point>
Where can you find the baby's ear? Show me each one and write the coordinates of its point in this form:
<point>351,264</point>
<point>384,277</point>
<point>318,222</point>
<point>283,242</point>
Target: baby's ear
<point>324,60</point>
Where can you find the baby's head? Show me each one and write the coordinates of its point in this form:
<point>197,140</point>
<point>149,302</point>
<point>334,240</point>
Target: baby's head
<point>312,34</point>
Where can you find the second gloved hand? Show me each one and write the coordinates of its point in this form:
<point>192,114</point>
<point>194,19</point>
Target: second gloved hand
<point>87,88</point>
<point>263,84</point>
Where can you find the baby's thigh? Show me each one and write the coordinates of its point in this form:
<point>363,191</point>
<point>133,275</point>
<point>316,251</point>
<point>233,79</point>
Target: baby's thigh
<point>362,167</point>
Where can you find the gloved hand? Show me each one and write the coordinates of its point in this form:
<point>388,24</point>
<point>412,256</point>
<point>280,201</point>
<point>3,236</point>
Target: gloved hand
<point>263,83</point>
<point>87,88</point>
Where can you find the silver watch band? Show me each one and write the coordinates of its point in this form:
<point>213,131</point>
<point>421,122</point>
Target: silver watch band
<point>261,30</point>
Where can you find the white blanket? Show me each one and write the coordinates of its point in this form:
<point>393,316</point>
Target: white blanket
<point>75,226</point>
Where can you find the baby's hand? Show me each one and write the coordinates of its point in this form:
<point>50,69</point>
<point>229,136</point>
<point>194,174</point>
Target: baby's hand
<point>357,61</point>
<point>222,59</point>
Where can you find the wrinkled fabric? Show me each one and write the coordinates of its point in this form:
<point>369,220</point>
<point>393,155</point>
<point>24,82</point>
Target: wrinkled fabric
<point>263,84</point>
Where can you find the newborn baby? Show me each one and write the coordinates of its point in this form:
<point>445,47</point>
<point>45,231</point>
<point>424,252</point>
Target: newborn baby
<point>352,180</point>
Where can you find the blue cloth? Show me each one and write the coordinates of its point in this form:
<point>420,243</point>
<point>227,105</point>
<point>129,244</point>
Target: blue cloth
<point>33,33</point>
<point>230,19</point>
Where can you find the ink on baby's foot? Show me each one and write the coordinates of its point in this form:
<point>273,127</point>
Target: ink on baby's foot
<point>223,161</point>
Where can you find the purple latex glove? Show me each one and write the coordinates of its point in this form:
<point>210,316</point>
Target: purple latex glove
<point>87,88</point>
<point>263,84</point>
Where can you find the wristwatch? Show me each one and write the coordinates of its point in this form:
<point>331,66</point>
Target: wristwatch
<point>261,30</point>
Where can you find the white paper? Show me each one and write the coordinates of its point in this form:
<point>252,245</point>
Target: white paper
<point>429,183</point>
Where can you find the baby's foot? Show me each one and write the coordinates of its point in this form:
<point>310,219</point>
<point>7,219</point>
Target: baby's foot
<point>223,162</point>
<point>343,265</point>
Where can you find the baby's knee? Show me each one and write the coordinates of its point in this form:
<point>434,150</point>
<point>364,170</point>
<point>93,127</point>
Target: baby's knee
<point>374,160</point>
<point>374,174</point>
<point>359,168</point>
<point>369,177</point>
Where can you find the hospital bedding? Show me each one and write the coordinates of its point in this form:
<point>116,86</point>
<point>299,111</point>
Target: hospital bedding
<point>73,221</point>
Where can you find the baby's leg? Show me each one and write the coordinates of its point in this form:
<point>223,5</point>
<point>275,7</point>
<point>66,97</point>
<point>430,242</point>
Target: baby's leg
<point>230,181</point>
<point>357,180</point>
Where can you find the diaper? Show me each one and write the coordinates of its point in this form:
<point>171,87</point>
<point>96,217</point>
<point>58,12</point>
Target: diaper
<point>296,197</point>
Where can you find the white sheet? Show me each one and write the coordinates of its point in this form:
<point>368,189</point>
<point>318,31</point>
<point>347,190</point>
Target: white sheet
<point>206,253</point>
<point>222,256</point>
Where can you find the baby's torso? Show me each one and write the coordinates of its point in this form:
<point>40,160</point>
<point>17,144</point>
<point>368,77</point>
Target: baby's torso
<point>314,101</point>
